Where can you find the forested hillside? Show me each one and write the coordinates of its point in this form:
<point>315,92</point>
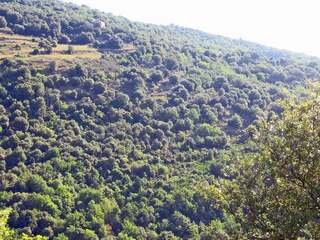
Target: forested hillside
<point>111,129</point>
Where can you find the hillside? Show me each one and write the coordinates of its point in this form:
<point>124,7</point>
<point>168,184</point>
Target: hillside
<point>111,128</point>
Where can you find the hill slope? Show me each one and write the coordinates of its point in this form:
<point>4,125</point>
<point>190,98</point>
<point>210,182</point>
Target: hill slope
<point>115,128</point>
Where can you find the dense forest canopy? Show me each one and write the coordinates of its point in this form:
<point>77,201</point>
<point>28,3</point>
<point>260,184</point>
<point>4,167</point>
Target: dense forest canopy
<point>111,129</point>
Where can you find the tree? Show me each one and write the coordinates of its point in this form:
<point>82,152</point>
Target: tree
<point>277,76</point>
<point>130,229</point>
<point>277,196</point>
<point>205,130</point>
<point>173,79</point>
<point>87,195</point>
<point>219,82</point>
<point>121,100</point>
<point>70,50</point>
<point>38,106</point>
<point>23,91</point>
<point>20,124</point>
<point>168,114</point>
<point>99,88</point>
<point>157,60</point>
<point>64,39</point>
<point>17,156</point>
<point>35,51</point>
<point>49,50</point>
<point>79,233</point>
<point>13,17</point>
<point>19,29</point>
<point>5,231</point>
<point>156,76</point>
<point>171,64</point>
<point>79,71</point>
<point>114,43</point>
<point>84,38</point>
<point>53,67</point>
<point>36,184</point>
<point>3,22</point>
<point>9,234</point>
<point>53,153</point>
<point>235,122</point>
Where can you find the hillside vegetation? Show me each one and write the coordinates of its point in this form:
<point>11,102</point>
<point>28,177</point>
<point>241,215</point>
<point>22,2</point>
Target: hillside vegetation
<point>111,129</point>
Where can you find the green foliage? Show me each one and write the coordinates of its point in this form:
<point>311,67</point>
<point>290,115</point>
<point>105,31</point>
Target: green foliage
<point>17,156</point>
<point>235,122</point>
<point>276,196</point>
<point>3,22</point>
<point>9,234</point>
<point>20,124</point>
<point>123,147</point>
<point>206,130</point>
<point>171,64</point>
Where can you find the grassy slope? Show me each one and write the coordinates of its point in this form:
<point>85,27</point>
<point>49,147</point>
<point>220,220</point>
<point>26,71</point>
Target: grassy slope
<point>27,44</point>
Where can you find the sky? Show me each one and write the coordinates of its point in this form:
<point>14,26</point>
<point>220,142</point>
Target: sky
<point>285,24</point>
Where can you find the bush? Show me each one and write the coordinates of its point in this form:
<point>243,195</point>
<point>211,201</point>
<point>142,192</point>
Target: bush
<point>53,67</point>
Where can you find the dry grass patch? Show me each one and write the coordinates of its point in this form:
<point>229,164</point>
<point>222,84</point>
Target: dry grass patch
<point>20,48</point>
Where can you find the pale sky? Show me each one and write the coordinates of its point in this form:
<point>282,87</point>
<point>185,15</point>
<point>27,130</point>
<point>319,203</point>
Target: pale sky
<point>286,24</point>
